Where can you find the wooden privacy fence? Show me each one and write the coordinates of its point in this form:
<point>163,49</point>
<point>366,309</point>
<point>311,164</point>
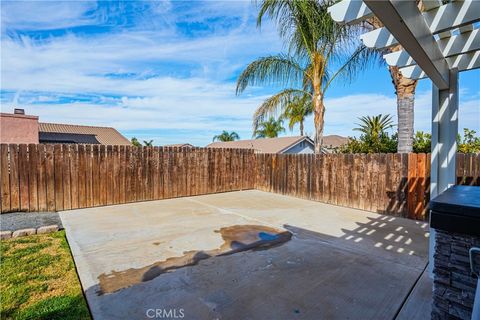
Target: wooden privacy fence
<point>394,184</point>
<point>62,177</point>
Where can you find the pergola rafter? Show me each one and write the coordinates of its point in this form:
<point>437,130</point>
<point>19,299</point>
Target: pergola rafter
<point>450,25</point>
<point>461,62</point>
<point>449,46</point>
<point>405,22</point>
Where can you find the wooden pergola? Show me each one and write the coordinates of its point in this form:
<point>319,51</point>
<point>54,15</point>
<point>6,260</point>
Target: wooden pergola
<point>437,43</point>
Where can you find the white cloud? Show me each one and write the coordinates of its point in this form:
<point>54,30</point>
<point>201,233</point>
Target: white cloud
<point>342,113</point>
<point>196,118</point>
<point>150,78</point>
<point>191,113</point>
<point>79,64</point>
<point>147,77</point>
<point>45,15</point>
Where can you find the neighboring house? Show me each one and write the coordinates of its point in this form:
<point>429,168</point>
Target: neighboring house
<point>284,145</point>
<point>20,128</point>
<point>298,144</point>
<point>332,142</point>
<point>68,133</point>
<point>180,145</point>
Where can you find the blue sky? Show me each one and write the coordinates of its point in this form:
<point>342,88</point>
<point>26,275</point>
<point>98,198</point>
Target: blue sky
<point>166,70</point>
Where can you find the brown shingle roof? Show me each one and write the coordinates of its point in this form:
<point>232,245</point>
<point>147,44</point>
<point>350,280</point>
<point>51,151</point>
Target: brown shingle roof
<point>104,135</point>
<point>179,145</point>
<point>277,145</point>
<point>267,145</point>
<point>334,141</point>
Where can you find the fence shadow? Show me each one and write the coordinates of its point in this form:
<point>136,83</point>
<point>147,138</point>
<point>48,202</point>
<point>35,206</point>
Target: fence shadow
<point>383,235</point>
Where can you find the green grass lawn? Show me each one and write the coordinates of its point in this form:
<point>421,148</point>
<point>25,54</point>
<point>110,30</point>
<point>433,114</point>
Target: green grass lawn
<point>38,279</point>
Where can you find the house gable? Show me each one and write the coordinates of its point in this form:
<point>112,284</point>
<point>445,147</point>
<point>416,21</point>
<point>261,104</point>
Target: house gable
<point>304,146</point>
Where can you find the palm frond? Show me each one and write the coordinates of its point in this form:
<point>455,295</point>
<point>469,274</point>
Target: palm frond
<point>276,105</point>
<point>226,136</point>
<point>279,69</point>
<point>297,110</point>
<point>374,126</point>
<point>269,128</point>
<point>361,59</point>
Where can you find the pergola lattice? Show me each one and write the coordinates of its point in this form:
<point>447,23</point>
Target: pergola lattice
<point>437,43</point>
<point>440,39</point>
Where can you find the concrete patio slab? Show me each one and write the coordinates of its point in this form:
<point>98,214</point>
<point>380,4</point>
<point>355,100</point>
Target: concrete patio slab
<point>418,305</point>
<point>340,263</point>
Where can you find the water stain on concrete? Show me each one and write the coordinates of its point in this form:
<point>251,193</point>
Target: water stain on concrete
<point>236,238</point>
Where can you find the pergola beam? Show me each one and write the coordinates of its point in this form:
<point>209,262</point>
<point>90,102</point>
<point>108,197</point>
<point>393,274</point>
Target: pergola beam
<point>352,11</point>
<point>451,46</point>
<point>379,38</point>
<point>348,11</point>
<point>453,15</point>
<point>463,62</point>
<point>406,23</point>
<point>431,4</point>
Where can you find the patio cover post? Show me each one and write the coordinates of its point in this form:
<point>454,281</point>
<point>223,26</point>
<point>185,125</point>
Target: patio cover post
<point>444,144</point>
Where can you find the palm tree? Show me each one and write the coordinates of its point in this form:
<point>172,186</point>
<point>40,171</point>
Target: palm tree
<point>135,142</point>
<point>315,43</point>
<point>374,137</point>
<point>269,129</point>
<point>375,126</point>
<point>226,136</point>
<point>148,143</point>
<point>405,92</point>
<point>297,110</point>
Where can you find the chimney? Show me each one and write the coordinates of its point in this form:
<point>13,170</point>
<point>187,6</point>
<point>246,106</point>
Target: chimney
<point>19,111</point>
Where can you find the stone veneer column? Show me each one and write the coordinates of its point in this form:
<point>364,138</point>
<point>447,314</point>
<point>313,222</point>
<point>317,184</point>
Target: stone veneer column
<point>454,284</point>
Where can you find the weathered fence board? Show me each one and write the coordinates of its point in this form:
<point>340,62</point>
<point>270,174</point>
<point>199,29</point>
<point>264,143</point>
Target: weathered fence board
<point>394,184</point>
<point>23,177</point>
<point>42,181</point>
<point>63,177</point>
<point>5,183</point>
<point>14,188</point>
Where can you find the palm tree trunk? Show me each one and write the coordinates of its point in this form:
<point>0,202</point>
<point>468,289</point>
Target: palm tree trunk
<point>301,127</point>
<point>405,90</point>
<point>318,118</point>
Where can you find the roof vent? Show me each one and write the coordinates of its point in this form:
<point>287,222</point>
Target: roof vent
<point>19,111</point>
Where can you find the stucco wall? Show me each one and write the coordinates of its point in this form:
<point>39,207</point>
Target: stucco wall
<point>18,128</point>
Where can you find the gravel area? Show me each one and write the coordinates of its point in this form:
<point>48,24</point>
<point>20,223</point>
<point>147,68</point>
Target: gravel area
<point>23,220</point>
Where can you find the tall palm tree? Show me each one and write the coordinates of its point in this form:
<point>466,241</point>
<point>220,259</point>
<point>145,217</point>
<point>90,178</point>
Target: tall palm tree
<point>269,129</point>
<point>315,43</point>
<point>297,110</point>
<point>405,92</point>
<point>226,136</point>
<point>375,126</point>
<point>148,143</point>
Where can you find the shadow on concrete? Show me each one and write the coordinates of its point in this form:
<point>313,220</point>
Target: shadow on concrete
<point>237,238</point>
<point>368,271</point>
